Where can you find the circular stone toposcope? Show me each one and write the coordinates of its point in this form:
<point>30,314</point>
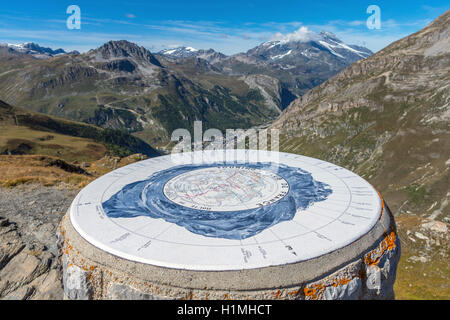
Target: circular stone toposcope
<point>241,229</point>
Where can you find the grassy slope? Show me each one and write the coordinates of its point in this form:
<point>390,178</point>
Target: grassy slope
<point>23,140</point>
<point>428,279</point>
<point>40,130</point>
<point>48,150</point>
<point>50,171</point>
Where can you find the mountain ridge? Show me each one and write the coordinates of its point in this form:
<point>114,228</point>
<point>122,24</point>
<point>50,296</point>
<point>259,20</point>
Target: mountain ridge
<point>121,85</point>
<point>299,64</point>
<point>35,50</point>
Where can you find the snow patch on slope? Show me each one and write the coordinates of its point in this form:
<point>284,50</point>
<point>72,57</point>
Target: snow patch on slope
<point>280,56</point>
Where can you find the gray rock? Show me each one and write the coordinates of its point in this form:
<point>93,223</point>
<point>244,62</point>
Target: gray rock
<point>76,282</point>
<point>124,292</point>
<point>21,270</point>
<point>10,242</point>
<point>350,291</point>
<point>23,293</point>
<point>48,286</point>
<point>380,278</point>
<point>30,265</point>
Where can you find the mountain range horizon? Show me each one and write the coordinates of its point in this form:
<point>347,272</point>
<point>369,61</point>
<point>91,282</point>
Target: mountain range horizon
<point>305,36</point>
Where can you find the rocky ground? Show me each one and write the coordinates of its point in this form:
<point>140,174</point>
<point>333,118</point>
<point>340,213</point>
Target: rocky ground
<point>30,267</point>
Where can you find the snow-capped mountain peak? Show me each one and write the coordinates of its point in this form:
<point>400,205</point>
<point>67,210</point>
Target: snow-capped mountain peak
<point>180,52</point>
<point>189,52</point>
<point>308,44</point>
<point>35,50</point>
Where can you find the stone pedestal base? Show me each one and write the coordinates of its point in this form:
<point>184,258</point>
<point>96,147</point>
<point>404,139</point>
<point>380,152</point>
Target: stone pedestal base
<point>365,269</point>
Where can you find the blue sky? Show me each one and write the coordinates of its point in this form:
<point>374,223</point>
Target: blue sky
<point>227,26</point>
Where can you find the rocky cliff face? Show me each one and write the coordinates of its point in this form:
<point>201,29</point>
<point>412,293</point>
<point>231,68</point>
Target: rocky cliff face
<point>273,90</point>
<point>116,50</point>
<point>387,118</point>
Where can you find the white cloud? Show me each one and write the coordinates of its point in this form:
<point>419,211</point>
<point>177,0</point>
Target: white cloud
<point>356,23</point>
<point>302,34</point>
<point>130,15</point>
